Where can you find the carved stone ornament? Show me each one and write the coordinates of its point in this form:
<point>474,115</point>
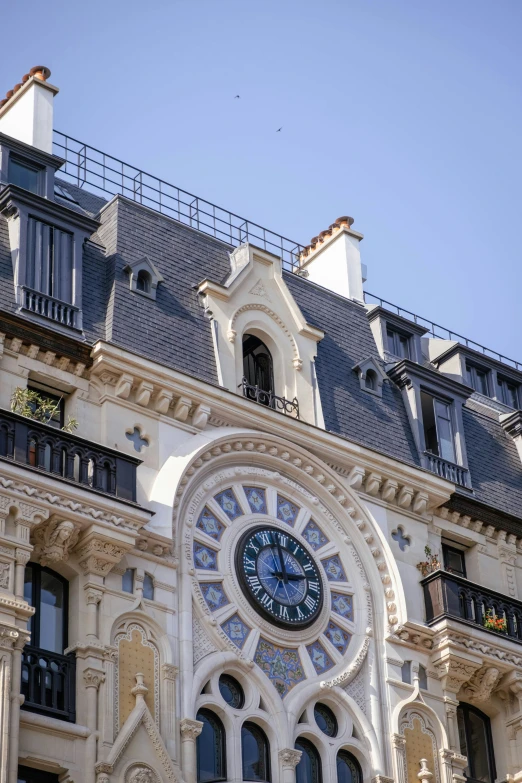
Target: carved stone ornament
<point>454,673</point>
<point>93,678</point>
<point>481,684</point>
<point>54,540</point>
<point>289,757</point>
<point>139,773</point>
<point>5,569</point>
<point>190,729</point>
<point>99,556</point>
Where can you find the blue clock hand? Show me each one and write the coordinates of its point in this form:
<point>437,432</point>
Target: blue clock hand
<point>282,561</point>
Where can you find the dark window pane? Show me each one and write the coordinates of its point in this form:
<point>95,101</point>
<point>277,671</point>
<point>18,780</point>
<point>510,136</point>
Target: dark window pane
<point>309,768</point>
<point>423,678</point>
<point>478,748</point>
<point>508,393</point>
<point>462,733</point>
<point>444,431</point>
<point>148,587</point>
<point>29,595</point>
<point>428,420</point>
<point>255,753</point>
<point>257,365</point>
<point>51,615</point>
<point>143,281</point>
<point>406,672</point>
<point>404,344</point>
<point>231,691</point>
<point>325,719</point>
<point>23,175</point>
<point>454,561</point>
<point>482,382</point>
<point>127,581</point>
<point>210,748</point>
<point>348,770</point>
<point>391,342</point>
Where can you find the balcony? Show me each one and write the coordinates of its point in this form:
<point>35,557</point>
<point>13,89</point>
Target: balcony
<point>51,308</point>
<point>447,596</point>
<point>447,470</point>
<point>49,683</point>
<point>66,456</point>
<point>270,400</point>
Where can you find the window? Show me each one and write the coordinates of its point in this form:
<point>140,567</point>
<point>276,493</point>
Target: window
<point>371,380</point>
<point>325,719</point>
<point>508,393</point>
<point>454,561</point>
<point>423,678</point>
<point>48,593</point>
<point>478,379</point>
<point>257,367</point>
<point>127,581</point>
<point>309,768</point>
<point>398,343</point>
<point>210,748</point>
<point>30,775</point>
<point>56,417</point>
<point>231,691</point>
<point>348,769</point>
<point>255,752</point>
<point>438,429</point>
<point>50,260</point>
<point>143,281</point>
<point>476,743</point>
<point>406,672</point>
<point>148,587</point>
<point>24,174</point>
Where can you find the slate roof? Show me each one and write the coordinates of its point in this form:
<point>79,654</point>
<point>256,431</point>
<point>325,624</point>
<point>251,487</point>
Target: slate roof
<point>174,331</point>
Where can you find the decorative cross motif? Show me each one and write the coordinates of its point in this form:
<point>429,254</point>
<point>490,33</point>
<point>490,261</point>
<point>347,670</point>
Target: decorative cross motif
<point>137,441</point>
<point>402,540</point>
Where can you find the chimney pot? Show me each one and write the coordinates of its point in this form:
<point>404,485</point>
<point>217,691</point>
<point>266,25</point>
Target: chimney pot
<point>40,72</point>
<point>345,221</point>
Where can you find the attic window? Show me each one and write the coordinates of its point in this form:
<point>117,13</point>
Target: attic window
<point>144,278</point>
<point>371,376</point>
<point>24,174</point>
<point>143,281</point>
<point>370,381</point>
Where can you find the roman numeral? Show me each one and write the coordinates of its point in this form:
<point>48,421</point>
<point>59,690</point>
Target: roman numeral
<point>308,567</point>
<point>266,601</point>
<point>283,612</point>
<point>310,602</point>
<point>300,615</point>
<point>314,586</point>
<point>265,538</point>
<point>255,584</point>
<point>251,545</point>
<point>250,565</point>
<point>283,540</point>
<point>297,548</point>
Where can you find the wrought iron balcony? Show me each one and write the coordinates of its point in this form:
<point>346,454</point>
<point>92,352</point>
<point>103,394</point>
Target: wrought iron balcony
<point>49,683</point>
<point>447,470</point>
<point>270,400</point>
<point>49,307</point>
<point>449,596</point>
<point>67,456</point>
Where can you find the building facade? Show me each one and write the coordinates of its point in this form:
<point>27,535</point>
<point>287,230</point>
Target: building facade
<point>254,523</point>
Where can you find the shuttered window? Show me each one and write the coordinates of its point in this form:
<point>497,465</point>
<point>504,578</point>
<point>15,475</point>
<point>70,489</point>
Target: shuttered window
<point>50,260</point>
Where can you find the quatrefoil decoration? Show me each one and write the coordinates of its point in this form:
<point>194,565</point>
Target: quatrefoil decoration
<point>136,439</point>
<point>402,540</point>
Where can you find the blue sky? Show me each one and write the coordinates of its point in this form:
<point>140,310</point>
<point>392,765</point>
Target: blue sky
<point>405,114</point>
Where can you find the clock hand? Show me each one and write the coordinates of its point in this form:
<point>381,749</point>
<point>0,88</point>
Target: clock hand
<point>290,577</point>
<point>282,561</point>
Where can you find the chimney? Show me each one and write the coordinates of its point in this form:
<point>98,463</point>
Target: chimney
<point>333,260</point>
<point>26,113</point>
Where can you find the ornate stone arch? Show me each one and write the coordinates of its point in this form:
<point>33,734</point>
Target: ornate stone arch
<point>418,733</point>
<point>232,334</point>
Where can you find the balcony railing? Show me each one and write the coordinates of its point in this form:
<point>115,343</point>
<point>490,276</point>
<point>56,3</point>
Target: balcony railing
<point>49,683</point>
<point>449,596</point>
<point>49,307</point>
<point>447,470</point>
<point>270,400</point>
<point>67,456</point>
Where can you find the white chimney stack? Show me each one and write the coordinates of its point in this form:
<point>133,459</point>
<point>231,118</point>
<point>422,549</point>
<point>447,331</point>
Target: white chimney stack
<point>333,260</point>
<point>26,113</point>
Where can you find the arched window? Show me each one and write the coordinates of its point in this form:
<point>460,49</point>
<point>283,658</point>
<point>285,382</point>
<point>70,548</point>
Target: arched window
<point>231,691</point>
<point>210,748</point>
<point>371,380</point>
<point>348,769</point>
<point>257,369</point>
<point>325,719</point>
<point>309,768</point>
<point>255,752</point>
<point>476,743</point>
<point>48,593</point>
<point>148,587</point>
<point>143,281</point>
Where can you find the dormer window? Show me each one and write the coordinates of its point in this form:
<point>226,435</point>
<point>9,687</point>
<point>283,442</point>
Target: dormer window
<point>508,392</point>
<point>438,429</point>
<point>24,174</point>
<point>398,343</point>
<point>49,268</point>
<point>257,370</point>
<point>143,281</point>
<point>478,379</point>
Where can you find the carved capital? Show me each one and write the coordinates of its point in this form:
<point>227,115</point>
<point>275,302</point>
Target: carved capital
<point>169,671</point>
<point>289,757</point>
<point>454,671</point>
<point>54,540</point>
<point>190,729</point>
<point>398,741</point>
<point>93,678</point>
<point>22,556</point>
<point>93,595</point>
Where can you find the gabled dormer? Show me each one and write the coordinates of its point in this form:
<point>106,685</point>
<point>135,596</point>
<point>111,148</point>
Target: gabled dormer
<point>263,345</point>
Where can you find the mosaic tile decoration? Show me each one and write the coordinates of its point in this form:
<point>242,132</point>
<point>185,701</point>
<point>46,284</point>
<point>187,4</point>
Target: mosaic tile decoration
<point>229,504</point>
<point>214,595</point>
<point>334,570</point>
<point>343,605</point>
<point>314,535</point>
<point>236,630</point>
<point>208,523</point>
<point>204,557</point>
<point>319,657</point>
<point>338,637</point>
<point>256,499</point>
<point>286,510</point>
<point>280,664</point>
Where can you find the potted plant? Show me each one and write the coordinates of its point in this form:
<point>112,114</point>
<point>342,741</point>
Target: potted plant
<point>493,622</point>
<point>431,564</point>
<point>27,402</point>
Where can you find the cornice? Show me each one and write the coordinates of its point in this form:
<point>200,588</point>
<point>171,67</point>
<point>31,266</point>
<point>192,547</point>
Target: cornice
<point>512,424</point>
<point>27,150</point>
<point>397,320</point>
<point>404,371</point>
<point>15,327</point>
<point>12,196</point>
<point>479,358</point>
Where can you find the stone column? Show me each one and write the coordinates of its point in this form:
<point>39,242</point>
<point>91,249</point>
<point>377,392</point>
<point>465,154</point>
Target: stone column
<point>93,598</point>
<point>92,678</point>
<point>169,674</point>
<point>289,759</point>
<point>15,703</point>
<point>399,758</point>
<point>190,731</point>
<point>22,558</point>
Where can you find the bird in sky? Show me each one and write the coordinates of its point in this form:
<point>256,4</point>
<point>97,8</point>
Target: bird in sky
<point>279,129</point>
<point>237,96</point>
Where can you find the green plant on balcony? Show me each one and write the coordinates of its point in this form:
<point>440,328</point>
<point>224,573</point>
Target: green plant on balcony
<point>493,622</point>
<point>27,402</point>
<point>431,564</point>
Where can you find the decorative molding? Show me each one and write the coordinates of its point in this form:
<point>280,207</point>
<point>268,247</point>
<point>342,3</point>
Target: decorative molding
<point>290,757</point>
<point>263,308</point>
<point>93,678</point>
<point>190,729</point>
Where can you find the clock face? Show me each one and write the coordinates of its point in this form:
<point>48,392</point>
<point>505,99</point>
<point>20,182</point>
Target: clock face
<point>279,577</point>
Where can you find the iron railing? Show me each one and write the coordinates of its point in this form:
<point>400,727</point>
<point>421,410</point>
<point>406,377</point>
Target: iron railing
<point>447,470</point>
<point>85,165</point>
<point>270,400</point>
<point>449,596</point>
<point>49,307</point>
<point>440,332</point>
<point>49,683</point>
<point>67,456</point>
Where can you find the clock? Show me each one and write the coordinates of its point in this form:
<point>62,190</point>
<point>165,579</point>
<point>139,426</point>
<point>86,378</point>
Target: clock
<point>279,577</point>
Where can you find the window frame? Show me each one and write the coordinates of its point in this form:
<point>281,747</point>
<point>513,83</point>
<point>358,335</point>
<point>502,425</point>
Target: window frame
<point>465,709</point>
<point>152,584</point>
<point>253,728</point>
<point>437,398</point>
<point>34,624</point>
<point>503,382</point>
<point>352,759</point>
<point>31,775</point>
<point>473,372</point>
<point>395,336</point>
<point>445,548</point>
<point>223,745</point>
<point>133,572</point>
<point>30,165</point>
<point>311,750</point>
